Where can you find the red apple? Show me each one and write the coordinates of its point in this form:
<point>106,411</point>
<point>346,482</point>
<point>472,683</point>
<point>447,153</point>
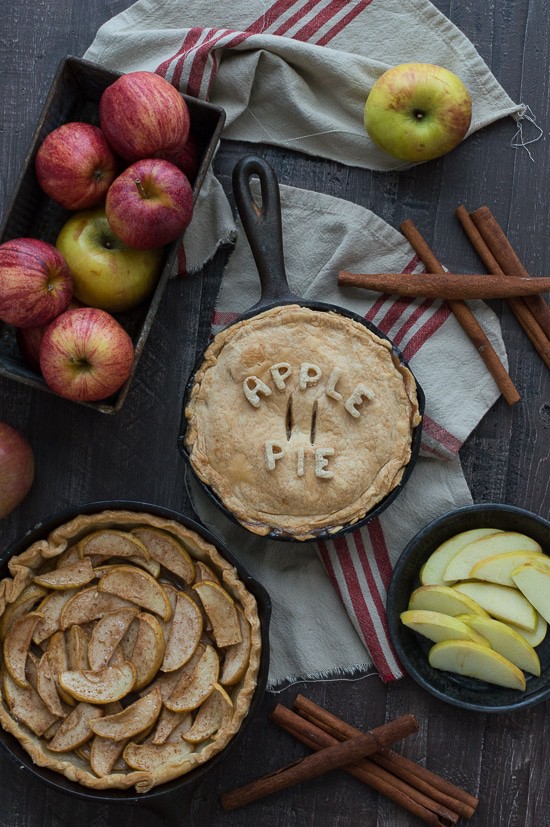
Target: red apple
<point>149,204</point>
<point>75,165</point>
<point>35,282</point>
<point>86,355</point>
<point>187,158</point>
<point>16,468</point>
<point>141,114</point>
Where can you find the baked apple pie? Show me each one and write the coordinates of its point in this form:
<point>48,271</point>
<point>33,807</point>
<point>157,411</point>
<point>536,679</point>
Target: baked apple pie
<point>300,421</point>
<point>131,650</point>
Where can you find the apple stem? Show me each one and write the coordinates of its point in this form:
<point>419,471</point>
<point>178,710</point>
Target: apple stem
<point>140,187</point>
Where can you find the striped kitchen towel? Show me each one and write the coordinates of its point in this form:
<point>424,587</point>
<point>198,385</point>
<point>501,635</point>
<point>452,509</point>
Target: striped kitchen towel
<point>295,74</point>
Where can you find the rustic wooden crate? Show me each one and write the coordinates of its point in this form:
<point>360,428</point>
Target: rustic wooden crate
<point>74,96</point>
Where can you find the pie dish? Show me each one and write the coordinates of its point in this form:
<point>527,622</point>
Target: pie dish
<point>300,420</point>
<point>159,640</point>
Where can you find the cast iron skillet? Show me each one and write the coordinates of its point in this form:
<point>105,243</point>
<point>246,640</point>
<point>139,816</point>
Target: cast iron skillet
<point>171,802</point>
<point>263,227</point>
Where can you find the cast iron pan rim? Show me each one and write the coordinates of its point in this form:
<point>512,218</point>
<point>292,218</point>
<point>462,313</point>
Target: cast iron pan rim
<point>453,520</point>
<point>416,439</point>
<point>186,783</point>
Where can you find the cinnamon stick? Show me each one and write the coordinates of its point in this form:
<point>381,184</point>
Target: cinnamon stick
<point>499,245</point>
<point>338,754</point>
<point>423,779</point>
<point>519,307</point>
<point>465,318</point>
<point>366,771</point>
<point>448,286</point>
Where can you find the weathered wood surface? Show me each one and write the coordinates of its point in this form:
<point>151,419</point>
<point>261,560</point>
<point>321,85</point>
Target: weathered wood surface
<point>82,456</point>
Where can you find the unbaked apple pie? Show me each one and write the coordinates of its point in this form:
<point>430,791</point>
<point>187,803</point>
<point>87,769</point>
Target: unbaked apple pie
<point>300,421</point>
<point>131,650</point>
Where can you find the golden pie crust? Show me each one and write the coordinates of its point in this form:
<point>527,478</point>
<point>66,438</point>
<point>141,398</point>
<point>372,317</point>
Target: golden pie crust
<point>300,421</point>
<point>208,562</point>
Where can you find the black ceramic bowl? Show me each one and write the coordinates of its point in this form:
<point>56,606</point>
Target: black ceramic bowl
<point>171,801</point>
<point>412,649</point>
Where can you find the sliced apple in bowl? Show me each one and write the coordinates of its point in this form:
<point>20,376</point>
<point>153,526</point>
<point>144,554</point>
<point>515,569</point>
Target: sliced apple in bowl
<point>437,626</point>
<point>501,602</point>
<point>461,564</point>
<point>469,659</point>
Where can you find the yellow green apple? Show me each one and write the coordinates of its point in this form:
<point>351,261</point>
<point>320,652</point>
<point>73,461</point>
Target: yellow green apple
<point>438,626</point>
<point>106,272</point>
<point>460,566</point>
<point>418,111</point>
<point>501,602</point>
<point>533,580</point>
<point>499,567</point>
<point>434,568</point>
<point>507,642</point>
<point>444,599</point>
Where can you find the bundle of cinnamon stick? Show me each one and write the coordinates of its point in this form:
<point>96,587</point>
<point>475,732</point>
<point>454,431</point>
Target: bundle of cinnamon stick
<point>338,744</point>
<point>507,279</point>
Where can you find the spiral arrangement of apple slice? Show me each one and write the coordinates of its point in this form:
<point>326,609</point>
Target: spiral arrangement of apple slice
<point>124,652</point>
<point>484,600</point>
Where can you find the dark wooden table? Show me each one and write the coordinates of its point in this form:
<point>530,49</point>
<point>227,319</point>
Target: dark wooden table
<point>84,456</point>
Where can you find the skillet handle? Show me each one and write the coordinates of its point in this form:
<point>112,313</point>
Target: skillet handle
<point>263,227</point>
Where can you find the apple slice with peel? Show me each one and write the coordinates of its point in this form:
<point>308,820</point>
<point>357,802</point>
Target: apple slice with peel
<point>499,567</point>
<point>75,729</point>
<point>460,566</point>
<point>16,646</point>
<point>190,694</point>
<point>237,656</point>
<point>214,713</point>
<point>25,603</point>
<point>167,722</point>
<point>221,611</point>
<point>72,576</point>
<point>46,686</point>
<point>110,542</point>
<point>107,634</point>
<point>501,602</point>
<point>535,637</point>
<point>508,643</point>
<point>138,587</point>
<point>464,657</point>
<point>109,684</point>
<point>167,550</point>
<point>51,607</point>
<point>433,569</point>
<point>533,580</point>
<point>444,599</point>
<point>132,720</point>
<point>158,759</point>
<point>89,604</point>
<point>149,649</point>
<point>437,626</point>
<point>27,706</point>
<point>184,633</point>
<point>76,644</point>
<point>104,753</point>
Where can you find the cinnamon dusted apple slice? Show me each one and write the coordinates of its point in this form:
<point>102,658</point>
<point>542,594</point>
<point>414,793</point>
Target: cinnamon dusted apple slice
<point>184,633</point>
<point>167,722</point>
<point>106,636</point>
<point>25,603</point>
<point>188,695</point>
<point>109,684</point>
<point>237,656</point>
<point>132,720</point>
<point>104,753</point>
<point>57,656</point>
<point>204,572</point>
<point>149,648</point>
<point>138,587</point>
<point>90,604</point>
<point>72,576</point>
<point>168,681</point>
<point>51,607</point>
<point>75,729</point>
<point>221,611</point>
<point>27,706</point>
<point>46,686</point>
<point>212,715</point>
<point>110,542</point>
<point>76,644</point>
<point>160,760</point>
<point>16,646</point>
<point>167,550</point>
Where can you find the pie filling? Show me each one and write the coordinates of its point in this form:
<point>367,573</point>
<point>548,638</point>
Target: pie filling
<point>131,650</point>
<point>300,421</point>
